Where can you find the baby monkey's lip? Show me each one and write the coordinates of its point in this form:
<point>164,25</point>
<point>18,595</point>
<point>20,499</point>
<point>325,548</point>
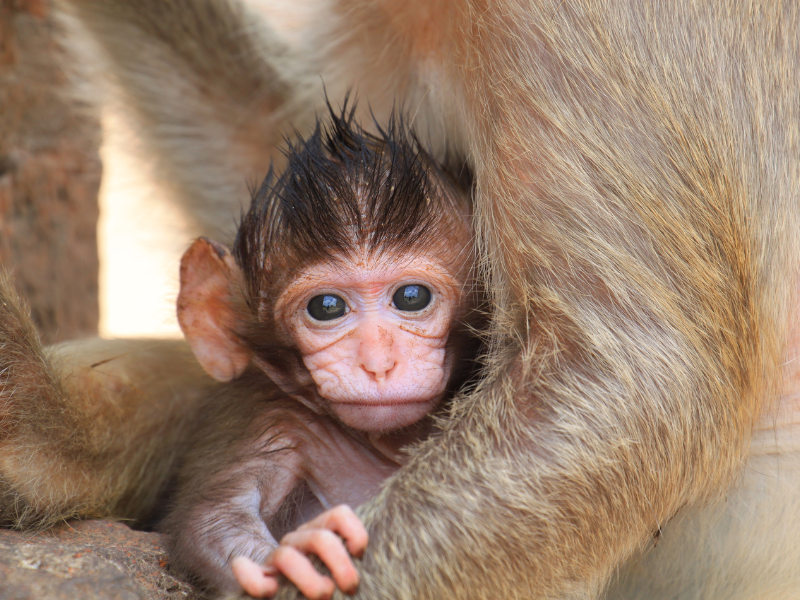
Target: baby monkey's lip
<point>380,402</point>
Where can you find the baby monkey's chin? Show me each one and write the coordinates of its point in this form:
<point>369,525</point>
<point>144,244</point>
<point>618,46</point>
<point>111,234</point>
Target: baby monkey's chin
<point>375,417</point>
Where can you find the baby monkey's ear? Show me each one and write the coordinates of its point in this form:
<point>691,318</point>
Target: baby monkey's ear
<point>210,284</point>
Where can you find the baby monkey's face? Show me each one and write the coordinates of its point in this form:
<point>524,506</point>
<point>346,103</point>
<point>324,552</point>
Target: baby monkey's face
<point>373,334</point>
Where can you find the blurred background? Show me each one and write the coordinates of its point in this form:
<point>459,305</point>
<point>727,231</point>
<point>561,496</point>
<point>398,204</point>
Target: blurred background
<point>140,241</point>
<point>92,245</point>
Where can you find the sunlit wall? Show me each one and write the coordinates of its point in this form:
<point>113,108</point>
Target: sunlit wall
<point>140,240</point>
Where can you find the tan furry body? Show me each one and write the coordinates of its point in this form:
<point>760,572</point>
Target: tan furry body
<point>92,428</point>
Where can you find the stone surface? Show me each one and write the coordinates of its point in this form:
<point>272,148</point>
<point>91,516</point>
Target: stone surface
<point>87,560</point>
<point>49,174</point>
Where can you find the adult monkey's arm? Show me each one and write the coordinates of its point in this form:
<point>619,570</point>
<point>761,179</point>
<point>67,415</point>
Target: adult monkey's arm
<point>213,87</point>
<point>201,98</point>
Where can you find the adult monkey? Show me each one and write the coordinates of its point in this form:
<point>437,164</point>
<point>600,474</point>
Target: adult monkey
<point>636,189</point>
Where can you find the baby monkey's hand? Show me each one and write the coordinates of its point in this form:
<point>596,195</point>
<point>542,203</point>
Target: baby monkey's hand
<point>318,536</point>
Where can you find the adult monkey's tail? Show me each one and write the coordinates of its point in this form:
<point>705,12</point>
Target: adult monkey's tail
<point>88,429</point>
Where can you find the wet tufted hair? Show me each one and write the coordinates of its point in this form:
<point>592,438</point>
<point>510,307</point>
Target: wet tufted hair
<point>346,190</point>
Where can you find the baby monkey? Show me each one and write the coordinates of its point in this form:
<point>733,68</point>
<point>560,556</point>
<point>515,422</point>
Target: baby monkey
<point>342,320</point>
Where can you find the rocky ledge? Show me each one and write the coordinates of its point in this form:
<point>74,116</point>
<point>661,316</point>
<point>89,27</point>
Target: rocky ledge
<point>87,560</point>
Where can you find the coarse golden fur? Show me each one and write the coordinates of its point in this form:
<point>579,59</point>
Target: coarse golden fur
<point>89,429</point>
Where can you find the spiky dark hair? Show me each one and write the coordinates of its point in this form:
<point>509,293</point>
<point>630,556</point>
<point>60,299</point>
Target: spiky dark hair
<point>346,190</point>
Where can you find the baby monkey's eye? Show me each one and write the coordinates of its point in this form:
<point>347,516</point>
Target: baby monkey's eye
<point>412,297</point>
<point>326,307</point>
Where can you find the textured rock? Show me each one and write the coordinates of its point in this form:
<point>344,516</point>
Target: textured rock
<point>87,560</point>
<point>49,174</point>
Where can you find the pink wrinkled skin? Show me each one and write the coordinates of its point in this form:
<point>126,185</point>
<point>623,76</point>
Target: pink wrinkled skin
<point>380,368</point>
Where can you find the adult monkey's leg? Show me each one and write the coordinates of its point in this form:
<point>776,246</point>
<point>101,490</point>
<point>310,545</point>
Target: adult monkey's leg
<point>201,97</point>
<point>740,547</point>
<point>744,545</point>
<point>89,429</point>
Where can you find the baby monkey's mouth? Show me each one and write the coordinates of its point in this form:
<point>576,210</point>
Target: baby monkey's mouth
<point>381,416</point>
<point>371,393</point>
<point>382,402</point>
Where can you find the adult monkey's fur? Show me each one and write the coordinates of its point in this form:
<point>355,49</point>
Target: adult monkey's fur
<point>88,429</point>
<point>636,198</point>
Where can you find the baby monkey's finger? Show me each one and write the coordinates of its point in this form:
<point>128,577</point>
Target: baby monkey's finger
<point>298,569</point>
<point>346,523</point>
<point>331,551</point>
<point>257,581</point>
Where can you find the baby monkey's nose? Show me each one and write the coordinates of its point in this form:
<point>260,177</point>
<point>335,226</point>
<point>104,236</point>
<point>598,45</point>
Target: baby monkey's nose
<point>376,351</point>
